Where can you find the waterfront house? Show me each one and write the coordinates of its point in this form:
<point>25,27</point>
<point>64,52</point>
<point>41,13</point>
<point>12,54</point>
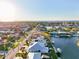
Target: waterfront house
<point>34,55</point>
<point>36,47</point>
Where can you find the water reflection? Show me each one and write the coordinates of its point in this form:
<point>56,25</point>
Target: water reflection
<point>69,46</point>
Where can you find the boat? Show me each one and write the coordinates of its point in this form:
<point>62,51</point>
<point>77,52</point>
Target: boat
<point>53,34</point>
<point>61,34</point>
<point>64,34</point>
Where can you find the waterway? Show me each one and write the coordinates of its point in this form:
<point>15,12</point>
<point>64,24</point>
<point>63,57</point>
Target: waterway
<point>69,48</point>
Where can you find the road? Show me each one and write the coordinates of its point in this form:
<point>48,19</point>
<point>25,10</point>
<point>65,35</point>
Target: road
<point>11,54</point>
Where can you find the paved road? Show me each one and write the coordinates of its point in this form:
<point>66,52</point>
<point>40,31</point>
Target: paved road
<point>11,54</point>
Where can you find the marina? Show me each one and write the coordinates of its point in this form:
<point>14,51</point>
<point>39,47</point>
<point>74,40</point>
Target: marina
<point>39,42</point>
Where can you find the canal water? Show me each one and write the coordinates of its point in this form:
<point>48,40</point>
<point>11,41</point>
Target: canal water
<point>69,48</point>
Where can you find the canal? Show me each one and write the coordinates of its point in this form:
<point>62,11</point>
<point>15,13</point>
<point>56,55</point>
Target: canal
<point>70,50</point>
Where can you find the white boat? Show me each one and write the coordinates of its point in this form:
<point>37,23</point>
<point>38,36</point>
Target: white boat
<point>61,34</point>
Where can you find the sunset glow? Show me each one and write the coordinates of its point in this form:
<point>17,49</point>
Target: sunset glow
<point>7,11</point>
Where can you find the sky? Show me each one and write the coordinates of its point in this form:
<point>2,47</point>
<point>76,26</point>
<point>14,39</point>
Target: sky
<point>39,10</point>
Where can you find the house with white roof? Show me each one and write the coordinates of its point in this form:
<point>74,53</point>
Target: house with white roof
<point>48,27</point>
<point>37,47</point>
<point>34,55</point>
<point>41,41</point>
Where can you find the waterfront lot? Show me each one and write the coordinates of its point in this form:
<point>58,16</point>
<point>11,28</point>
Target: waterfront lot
<point>69,48</point>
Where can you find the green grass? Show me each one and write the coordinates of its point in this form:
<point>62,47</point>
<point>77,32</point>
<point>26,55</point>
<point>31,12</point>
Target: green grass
<point>52,53</point>
<point>9,44</point>
<point>3,48</point>
<point>17,43</point>
<point>1,56</point>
